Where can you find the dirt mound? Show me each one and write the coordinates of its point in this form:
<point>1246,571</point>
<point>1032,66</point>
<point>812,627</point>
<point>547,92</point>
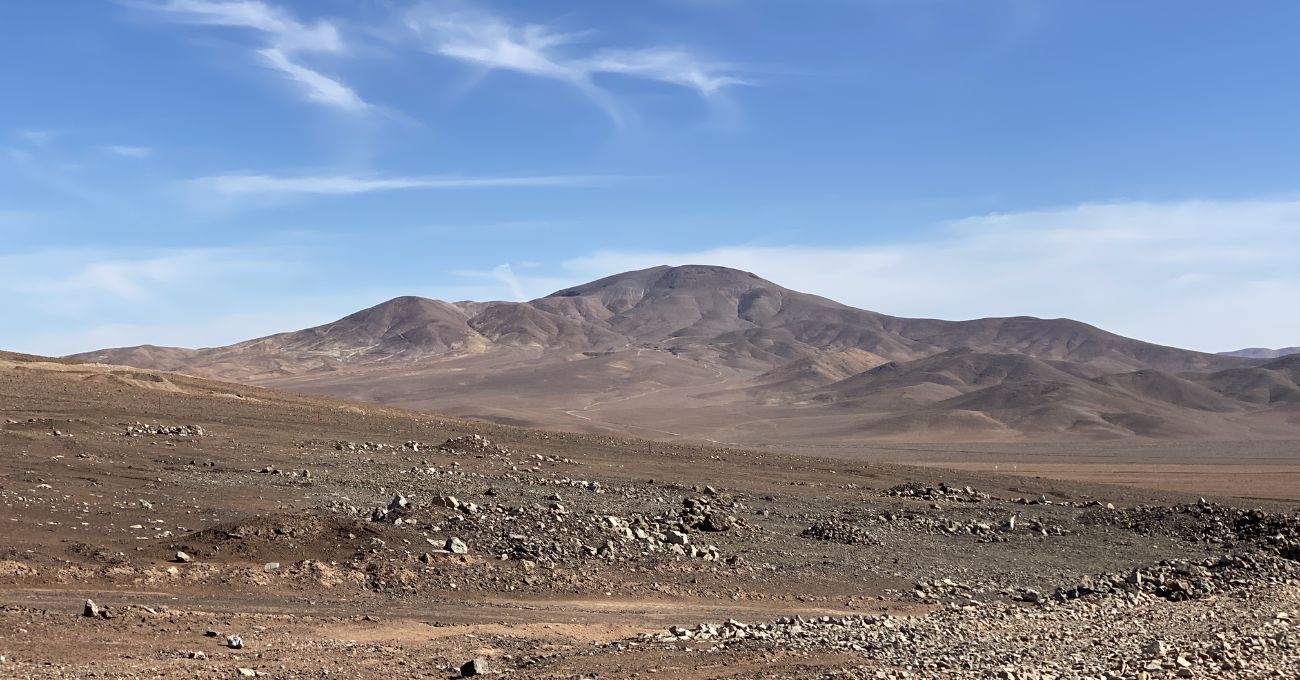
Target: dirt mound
<point>287,537</point>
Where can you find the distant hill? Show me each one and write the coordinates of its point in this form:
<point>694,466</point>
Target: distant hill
<point>1262,353</point>
<point>714,353</point>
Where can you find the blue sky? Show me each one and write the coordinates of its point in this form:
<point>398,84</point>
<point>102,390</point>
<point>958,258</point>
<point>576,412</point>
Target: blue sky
<point>196,172</point>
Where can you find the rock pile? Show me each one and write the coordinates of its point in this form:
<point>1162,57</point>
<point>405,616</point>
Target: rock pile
<point>1278,533</point>
<point>943,492</point>
<point>1112,639</point>
<point>701,513</point>
<point>143,430</point>
<point>988,531</point>
<point>473,443</point>
<point>835,531</point>
<point>1178,580</point>
<point>339,445</point>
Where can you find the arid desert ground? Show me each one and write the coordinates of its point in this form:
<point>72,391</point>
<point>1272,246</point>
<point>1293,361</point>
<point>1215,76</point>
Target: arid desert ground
<point>227,531</point>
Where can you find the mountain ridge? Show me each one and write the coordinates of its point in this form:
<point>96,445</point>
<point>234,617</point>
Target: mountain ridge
<point>1262,352</point>
<point>666,348</point>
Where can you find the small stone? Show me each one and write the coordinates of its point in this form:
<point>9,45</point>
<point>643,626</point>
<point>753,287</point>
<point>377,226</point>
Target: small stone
<point>457,546</point>
<point>717,521</point>
<point>91,610</point>
<point>270,566</point>
<point>1155,649</point>
<point>184,558</point>
<point>234,642</point>
<point>473,667</point>
<point>247,673</point>
<point>199,656</point>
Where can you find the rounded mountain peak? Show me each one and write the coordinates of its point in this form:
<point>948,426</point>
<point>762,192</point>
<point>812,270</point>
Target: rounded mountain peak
<point>644,282</point>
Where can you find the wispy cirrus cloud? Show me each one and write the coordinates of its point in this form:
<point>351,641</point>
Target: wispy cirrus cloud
<point>506,274</point>
<point>479,38</point>
<point>129,151</point>
<point>318,88</point>
<point>120,275</point>
<point>37,137</point>
<point>339,185</point>
<point>65,300</point>
<point>668,65</point>
<point>286,39</point>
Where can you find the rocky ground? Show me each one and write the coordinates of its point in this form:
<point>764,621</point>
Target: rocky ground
<point>177,528</point>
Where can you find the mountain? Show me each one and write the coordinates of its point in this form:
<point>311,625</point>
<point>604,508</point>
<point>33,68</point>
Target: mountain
<point>714,353</point>
<point>1262,353</point>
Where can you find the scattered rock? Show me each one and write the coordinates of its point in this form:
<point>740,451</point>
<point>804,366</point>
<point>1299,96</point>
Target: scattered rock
<point>142,430</point>
<point>474,667</point>
<point>836,531</point>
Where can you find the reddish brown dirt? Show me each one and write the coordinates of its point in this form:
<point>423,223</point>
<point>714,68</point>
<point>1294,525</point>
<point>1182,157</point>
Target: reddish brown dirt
<point>75,527</point>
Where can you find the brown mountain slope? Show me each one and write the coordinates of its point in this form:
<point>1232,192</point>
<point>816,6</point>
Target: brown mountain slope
<point>1276,382</point>
<point>981,393</point>
<point>705,352</point>
<point>957,371</point>
<point>816,371</point>
<point>143,356</point>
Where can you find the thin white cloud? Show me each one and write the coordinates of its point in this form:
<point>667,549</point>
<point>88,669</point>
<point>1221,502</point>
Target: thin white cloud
<point>38,137</point>
<point>289,34</point>
<point>42,167</point>
<point>668,65</point>
<point>286,38</point>
<point>241,184</point>
<point>318,87</point>
<point>506,275</point>
<point>487,41</point>
<point>1212,276</point>
<point>117,276</point>
<point>74,300</point>
<point>128,151</point>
